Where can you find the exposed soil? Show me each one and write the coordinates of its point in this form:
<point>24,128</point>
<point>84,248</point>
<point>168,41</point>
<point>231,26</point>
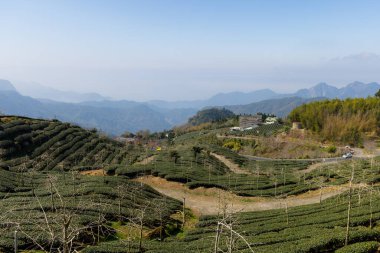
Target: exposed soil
<point>147,160</point>
<point>366,153</point>
<point>209,201</point>
<point>99,172</point>
<point>232,166</point>
<point>315,166</point>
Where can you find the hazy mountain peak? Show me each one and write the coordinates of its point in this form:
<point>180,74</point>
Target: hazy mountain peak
<point>359,89</point>
<point>320,90</point>
<point>235,98</point>
<point>322,85</point>
<point>5,85</point>
<point>39,91</point>
<point>355,84</point>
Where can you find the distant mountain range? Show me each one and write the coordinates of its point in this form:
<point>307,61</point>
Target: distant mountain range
<point>355,89</point>
<point>115,117</point>
<point>281,107</point>
<point>42,92</point>
<point>352,90</point>
<point>112,117</point>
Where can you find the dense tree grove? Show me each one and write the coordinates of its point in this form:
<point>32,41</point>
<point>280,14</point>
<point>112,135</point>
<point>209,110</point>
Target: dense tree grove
<point>341,120</point>
<point>210,115</point>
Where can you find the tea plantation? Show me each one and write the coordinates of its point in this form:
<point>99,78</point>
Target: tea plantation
<point>277,178</point>
<point>46,145</point>
<point>312,228</point>
<point>45,198</point>
<point>47,203</point>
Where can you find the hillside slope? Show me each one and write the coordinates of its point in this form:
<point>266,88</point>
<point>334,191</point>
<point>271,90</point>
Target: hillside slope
<point>110,120</point>
<point>280,107</point>
<point>45,145</point>
<point>45,196</point>
<point>341,120</point>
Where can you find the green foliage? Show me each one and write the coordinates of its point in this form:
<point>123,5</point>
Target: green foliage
<point>32,145</point>
<point>360,247</point>
<point>331,149</point>
<point>93,202</point>
<point>174,155</point>
<point>196,150</point>
<point>311,228</point>
<point>210,115</point>
<point>340,120</point>
<point>233,144</point>
<point>46,145</point>
<point>377,94</point>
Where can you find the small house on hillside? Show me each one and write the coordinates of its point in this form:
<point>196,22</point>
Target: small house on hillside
<point>250,121</point>
<point>125,140</point>
<point>270,120</point>
<point>235,129</point>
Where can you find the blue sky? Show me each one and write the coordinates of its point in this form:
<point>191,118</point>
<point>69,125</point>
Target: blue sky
<point>188,49</point>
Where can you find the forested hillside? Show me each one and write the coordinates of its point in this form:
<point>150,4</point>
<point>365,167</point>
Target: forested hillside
<point>280,107</point>
<point>341,120</point>
<point>210,115</point>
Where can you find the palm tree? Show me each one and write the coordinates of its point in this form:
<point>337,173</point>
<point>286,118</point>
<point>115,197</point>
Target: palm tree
<point>196,150</point>
<point>174,155</point>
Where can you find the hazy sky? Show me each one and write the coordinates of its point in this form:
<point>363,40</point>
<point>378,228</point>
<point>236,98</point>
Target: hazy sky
<point>188,49</point>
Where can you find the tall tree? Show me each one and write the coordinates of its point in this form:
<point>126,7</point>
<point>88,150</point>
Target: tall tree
<point>377,94</point>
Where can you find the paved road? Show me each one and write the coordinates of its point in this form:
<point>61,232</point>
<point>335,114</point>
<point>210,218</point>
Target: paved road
<point>259,158</point>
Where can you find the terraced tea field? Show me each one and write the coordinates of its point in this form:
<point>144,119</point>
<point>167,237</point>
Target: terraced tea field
<point>63,188</point>
<point>46,145</point>
<point>45,199</point>
<point>312,228</point>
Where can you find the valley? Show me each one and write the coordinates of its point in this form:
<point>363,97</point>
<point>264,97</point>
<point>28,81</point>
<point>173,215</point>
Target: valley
<point>64,188</point>
<point>198,126</point>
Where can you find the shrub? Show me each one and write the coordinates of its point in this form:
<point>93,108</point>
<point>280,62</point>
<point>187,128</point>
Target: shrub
<point>361,247</point>
<point>331,149</point>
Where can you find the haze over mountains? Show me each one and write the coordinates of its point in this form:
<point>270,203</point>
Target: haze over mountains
<point>39,91</point>
<point>115,117</point>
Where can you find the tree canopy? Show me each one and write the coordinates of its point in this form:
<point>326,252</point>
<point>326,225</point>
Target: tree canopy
<point>377,94</point>
<point>340,120</point>
<point>210,115</point>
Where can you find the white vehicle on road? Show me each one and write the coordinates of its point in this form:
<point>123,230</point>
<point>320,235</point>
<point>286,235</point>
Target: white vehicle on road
<point>347,155</point>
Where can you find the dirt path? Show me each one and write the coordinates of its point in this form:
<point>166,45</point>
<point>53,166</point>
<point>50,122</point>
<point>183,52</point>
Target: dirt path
<point>237,137</point>
<point>362,153</point>
<point>232,166</point>
<point>209,201</point>
<point>147,160</point>
<point>315,166</point>
<point>99,172</point>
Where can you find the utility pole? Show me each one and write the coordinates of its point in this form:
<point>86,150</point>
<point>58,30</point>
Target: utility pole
<point>183,213</point>
<point>15,241</point>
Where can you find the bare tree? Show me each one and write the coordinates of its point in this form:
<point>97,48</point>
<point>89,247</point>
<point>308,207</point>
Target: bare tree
<point>160,206</point>
<point>55,218</point>
<point>226,232</point>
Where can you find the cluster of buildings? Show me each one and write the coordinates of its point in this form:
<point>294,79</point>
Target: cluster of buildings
<point>253,121</point>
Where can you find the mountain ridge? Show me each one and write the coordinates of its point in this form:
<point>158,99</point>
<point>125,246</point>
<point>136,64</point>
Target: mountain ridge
<point>354,89</point>
<point>118,116</point>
